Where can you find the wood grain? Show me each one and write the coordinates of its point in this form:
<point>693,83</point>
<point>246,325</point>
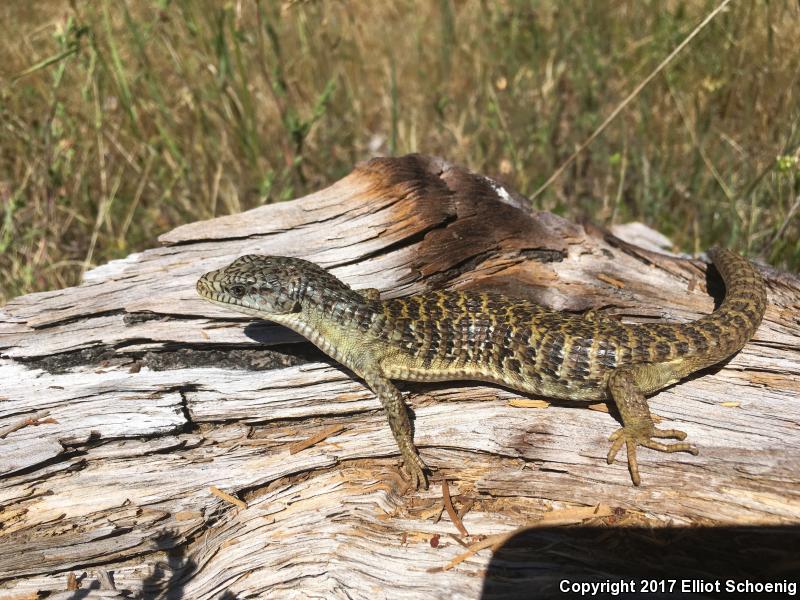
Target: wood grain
<point>153,397</point>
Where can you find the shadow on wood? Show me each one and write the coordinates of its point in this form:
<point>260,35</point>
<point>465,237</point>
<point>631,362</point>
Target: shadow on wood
<point>140,424</point>
<point>695,562</point>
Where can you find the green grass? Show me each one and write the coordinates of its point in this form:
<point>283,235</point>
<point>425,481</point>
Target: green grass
<point>122,119</point>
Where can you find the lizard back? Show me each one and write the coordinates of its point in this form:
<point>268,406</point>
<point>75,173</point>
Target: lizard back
<point>447,335</point>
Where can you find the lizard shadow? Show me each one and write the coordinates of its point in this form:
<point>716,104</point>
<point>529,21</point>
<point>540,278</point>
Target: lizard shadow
<point>284,341</point>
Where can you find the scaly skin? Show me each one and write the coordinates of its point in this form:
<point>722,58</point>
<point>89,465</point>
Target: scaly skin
<point>446,335</point>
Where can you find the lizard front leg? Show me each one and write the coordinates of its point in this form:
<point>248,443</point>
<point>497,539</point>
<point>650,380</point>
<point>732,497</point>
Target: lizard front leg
<point>370,293</point>
<point>625,386</point>
<point>400,424</point>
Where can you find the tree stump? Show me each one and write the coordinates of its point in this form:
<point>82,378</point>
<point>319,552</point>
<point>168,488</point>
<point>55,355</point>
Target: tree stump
<point>153,445</point>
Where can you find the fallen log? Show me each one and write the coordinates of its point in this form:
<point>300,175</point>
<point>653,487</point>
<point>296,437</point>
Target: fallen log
<point>153,444</point>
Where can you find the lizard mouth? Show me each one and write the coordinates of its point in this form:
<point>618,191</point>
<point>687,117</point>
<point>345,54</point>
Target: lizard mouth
<point>208,291</point>
<point>212,293</point>
<point>203,288</point>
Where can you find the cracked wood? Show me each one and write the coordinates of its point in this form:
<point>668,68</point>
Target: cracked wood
<point>153,397</point>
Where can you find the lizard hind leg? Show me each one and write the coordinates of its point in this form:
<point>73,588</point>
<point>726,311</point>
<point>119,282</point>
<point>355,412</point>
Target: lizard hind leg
<point>625,386</point>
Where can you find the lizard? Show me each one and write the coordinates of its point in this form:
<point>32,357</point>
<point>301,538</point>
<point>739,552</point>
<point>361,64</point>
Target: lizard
<point>449,335</point>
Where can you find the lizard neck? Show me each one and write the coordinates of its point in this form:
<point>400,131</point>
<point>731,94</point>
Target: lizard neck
<point>338,326</point>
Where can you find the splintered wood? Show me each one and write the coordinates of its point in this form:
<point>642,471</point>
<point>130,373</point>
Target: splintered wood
<point>315,439</point>
<point>128,404</point>
<point>566,516</point>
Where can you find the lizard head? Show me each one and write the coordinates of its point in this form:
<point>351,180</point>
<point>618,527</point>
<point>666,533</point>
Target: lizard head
<point>269,286</point>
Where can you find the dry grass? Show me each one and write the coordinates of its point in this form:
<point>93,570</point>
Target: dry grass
<point>121,120</point>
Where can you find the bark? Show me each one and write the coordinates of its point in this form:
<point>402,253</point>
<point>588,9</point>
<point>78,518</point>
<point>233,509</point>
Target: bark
<point>154,445</point>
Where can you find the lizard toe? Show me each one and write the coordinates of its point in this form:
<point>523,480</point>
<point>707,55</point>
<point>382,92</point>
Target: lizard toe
<point>633,437</point>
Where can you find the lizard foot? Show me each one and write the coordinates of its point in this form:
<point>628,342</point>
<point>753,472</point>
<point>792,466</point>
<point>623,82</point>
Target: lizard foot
<point>417,469</point>
<point>633,437</point>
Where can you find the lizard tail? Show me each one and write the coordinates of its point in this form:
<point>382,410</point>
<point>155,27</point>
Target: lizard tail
<point>740,314</point>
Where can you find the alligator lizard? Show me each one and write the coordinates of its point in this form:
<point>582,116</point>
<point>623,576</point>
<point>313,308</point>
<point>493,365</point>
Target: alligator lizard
<point>453,335</point>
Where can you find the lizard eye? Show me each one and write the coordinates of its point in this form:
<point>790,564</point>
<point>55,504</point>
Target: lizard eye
<point>238,291</point>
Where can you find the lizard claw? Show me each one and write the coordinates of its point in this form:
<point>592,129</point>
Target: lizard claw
<point>644,437</point>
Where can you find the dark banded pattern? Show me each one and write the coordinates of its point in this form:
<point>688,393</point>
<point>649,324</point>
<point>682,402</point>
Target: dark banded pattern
<point>447,335</point>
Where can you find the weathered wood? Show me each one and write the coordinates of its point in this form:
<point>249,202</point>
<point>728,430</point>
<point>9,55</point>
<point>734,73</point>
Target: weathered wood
<point>125,400</point>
